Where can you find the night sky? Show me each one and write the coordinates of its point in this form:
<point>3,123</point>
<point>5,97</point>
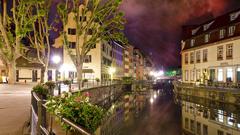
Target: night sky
<point>155,25</point>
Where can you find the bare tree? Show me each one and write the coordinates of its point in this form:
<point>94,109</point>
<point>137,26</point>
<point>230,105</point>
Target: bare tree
<point>103,19</point>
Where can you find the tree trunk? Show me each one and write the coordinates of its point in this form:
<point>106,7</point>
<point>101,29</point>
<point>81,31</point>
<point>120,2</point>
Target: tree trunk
<point>79,76</point>
<point>12,72</point>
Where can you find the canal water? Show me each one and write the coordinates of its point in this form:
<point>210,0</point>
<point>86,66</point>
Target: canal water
<point>159,112</point>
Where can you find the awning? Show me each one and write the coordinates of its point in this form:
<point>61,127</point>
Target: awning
<point>87,71</point>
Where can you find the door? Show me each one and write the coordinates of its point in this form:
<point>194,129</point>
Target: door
<point>238,76</point>
<point>34,75</point>
<point>17,75</point>
<point>212,75</point>
<point>49,75</point>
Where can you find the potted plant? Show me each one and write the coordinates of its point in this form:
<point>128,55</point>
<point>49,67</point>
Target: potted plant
<point>68,82</point>
<point>84,81</point>
<point>51,85</point>
<point>41,90</point>
<point>97,80</point>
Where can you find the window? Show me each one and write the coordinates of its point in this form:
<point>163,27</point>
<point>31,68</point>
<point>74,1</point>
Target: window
<point>220,116</point>
<point>88,59</point>
<point>198,128</point>
<point>229,74</point>
<point>90,32</point>
<point>220,53</point>
<point>71,31</point>
<point>192,42</point>
<point>205,130</point>
<point>186,58</point>
<point>186,123</point>
<point>205,55</point>
<point>198,56</point>
<point>219,132</point>
<point>186,75</point>
<point>198,74</point>
<point>229,52</point>
<point>231,30</point>
<point>72,45</point>
<point>230,119</point>
<point>206,38</point>
<point>192,125</point>
<point>220,75</point>
<point>192,57</point>
<point>222,33</point>
<point>192,75</point>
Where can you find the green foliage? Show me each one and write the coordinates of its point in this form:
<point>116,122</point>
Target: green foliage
<point>77,109</point>
<point>127,80</point>
<point>66,82</point>
<point>85,80</point>
<point>97,80</point>
<point>51,85</point>
<point>40,89</point>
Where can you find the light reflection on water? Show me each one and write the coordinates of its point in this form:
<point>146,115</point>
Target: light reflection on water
<point>158,113</point>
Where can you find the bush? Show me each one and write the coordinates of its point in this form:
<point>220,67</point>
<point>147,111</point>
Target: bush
<point>40,89</point>
<point>66,82</point>
<point>51,85</point>
<point>77,109</point>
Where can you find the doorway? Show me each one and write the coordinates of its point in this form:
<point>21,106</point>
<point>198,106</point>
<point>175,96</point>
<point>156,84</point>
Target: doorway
<point>34,75</point>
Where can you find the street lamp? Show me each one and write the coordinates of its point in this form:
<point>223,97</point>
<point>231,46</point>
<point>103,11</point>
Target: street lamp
<point>111,71</point>
<point>56,59</point>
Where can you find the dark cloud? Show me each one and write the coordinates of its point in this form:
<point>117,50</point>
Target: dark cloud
<point>155,25</point>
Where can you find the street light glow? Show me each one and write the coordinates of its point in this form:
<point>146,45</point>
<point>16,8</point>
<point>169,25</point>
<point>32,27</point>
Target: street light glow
<point>56,59</point>
<point>112,70</point>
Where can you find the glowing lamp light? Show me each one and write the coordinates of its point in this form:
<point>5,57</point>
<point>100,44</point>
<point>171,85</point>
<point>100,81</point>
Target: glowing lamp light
<point>56,59</point>
<point>151,100</point>
<point>155,96</point>
<point>112,70</point>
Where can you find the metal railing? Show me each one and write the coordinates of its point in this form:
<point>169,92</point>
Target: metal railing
<point>103,96</point>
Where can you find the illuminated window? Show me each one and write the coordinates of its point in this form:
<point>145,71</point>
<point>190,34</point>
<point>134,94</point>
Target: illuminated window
<point>220,115</point>
<point>192,42</point>
<point>206,38</point>
<point>198,74</point>
<point>222,33</point>
<point>230,120</point>
<point>231,30</point>
<point>220,74</point>
<point>192,74</point>
<point>229,74</point>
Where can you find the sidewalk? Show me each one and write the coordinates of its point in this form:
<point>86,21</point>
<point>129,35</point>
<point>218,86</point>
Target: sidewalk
<point>14,107</point>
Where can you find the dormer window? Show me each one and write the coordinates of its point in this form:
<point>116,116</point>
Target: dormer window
<point>192,42</point>
<point>222,33</point>
<point>234,16</point>
<point>206,38</point>
<point>231,30</point>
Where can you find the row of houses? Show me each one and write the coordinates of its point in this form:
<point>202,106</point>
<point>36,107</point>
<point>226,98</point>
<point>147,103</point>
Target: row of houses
<point>210,51</point>
<point>127,61</point>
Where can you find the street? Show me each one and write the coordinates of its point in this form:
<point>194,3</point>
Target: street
<point>14,108</point>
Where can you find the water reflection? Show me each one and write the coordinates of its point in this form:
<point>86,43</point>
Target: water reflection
<point>200,117</point>
<point>159,112</point>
